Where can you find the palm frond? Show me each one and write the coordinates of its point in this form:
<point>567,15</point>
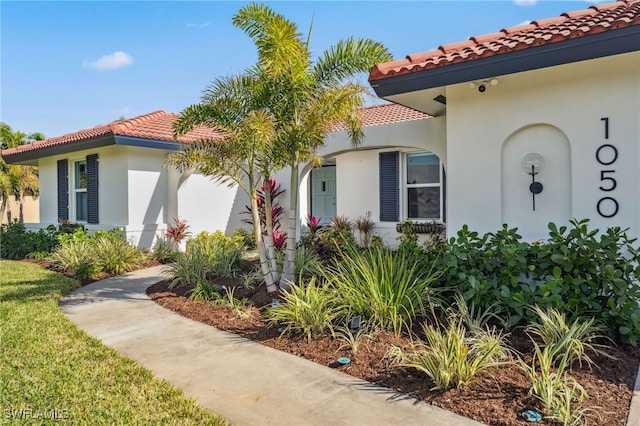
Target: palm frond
<point>349,57</point>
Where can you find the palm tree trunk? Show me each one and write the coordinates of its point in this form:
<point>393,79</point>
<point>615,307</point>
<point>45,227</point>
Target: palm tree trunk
<point>288,271</point>
<point>260,243</point>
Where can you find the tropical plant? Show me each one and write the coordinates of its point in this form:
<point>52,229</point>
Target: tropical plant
<point>574,339</point>
<point>274,191</point>
<point>307,262</point>
<point>353,339</point>
<point>549,381</point>
<point>224,253</point>
<point>308,309</point>
<point>113,254</point>
<point>71,255</point>
<point>189,269</point>
<point>164,251</point>
<point>16,180</point>
<point>249,278</point>
<point>17,243</point>
<point>335,237</point>
<point>307,98</point>
<point>453,359</point>
<point>177,232</point>
<point>364,225</point>
<point>240,306</point>
<point>242,155</point>
<point>382,287</point>
<point>204,290</point>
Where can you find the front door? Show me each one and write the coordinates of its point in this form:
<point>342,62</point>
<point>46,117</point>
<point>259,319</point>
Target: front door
<point>323,193</point>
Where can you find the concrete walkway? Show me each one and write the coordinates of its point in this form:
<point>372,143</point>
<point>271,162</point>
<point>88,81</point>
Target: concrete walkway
<point>243,381</point>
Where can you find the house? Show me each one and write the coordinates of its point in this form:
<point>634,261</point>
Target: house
<point>541,121</point>
<point>533,124</point>
<point>114,176</point>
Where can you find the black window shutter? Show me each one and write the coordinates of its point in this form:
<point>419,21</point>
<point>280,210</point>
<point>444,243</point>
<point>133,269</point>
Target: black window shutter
<point>63,190</point>
<point>92,188</point>
<point>389,187</point>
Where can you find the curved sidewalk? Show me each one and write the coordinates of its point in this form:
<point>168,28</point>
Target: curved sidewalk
<point>243,381</point>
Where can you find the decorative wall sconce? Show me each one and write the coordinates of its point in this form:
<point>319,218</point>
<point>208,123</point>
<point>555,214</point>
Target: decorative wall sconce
<point>532,164</point>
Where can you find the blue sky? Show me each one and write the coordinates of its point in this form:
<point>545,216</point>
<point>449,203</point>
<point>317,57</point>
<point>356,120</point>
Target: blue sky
<point>67,66</point>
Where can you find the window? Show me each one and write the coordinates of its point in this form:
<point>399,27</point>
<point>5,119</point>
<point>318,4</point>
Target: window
<point>80,190</point>
<point>416,182</point>
<point>423,186</point>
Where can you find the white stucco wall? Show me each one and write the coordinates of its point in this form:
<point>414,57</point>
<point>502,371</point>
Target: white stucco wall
<point>357,171</point>
<point>571,99</point>
<point>112,188</point>
<point>207,205</point>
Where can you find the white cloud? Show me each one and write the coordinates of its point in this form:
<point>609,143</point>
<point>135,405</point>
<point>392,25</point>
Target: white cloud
<point>113,61</point>
<point>527,22</point>
<point>196,25</point>
<point>525,2</point>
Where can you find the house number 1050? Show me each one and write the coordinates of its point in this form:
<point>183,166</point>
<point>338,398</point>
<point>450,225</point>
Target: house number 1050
<point>606,156</point>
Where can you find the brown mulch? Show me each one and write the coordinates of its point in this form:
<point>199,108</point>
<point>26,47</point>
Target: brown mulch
<point>495,398</point>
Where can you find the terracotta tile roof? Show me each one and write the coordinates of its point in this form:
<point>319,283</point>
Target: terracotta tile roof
<point>570,25</point>
<point>379,115</point>
<point>156,126</point>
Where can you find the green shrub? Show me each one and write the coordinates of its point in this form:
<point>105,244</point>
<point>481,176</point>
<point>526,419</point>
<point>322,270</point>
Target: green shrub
<point>204,290</point>
<point>71,255</point>
<point>164,251</point>
<point>335,237</point>
<point>308,309</point>
<point>113,254</point>
<point>588,273</point>
<point>306,261</point>
<point>16,242</point>
<point>577,271</point>
<point>248,237</point>
<point>382,287</point>
<point>224,253</point>
<point>189,269</point>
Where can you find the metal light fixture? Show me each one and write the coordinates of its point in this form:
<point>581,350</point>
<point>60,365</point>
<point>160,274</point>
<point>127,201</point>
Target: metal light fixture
<point>532,164</point>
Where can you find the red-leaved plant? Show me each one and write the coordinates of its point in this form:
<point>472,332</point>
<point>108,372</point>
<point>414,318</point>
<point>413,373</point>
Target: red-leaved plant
<point>178,231</point>
<point>276,208</point>
<point>313,223</point>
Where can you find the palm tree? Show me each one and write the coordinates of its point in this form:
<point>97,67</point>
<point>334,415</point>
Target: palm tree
<point>307,98</point>
<point>16,180</point>
<point>242,154</point>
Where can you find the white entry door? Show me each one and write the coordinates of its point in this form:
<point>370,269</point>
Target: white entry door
<point>323,193</point>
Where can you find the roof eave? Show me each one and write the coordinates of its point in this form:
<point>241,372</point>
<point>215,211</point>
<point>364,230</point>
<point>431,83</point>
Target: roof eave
<point>30,157</point>
<point>584,48</point>
<point>148,143</point>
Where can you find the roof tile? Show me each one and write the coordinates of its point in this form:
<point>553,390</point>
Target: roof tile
<point>570,25</point>
<point>379,115</point>
<point>158,125</point>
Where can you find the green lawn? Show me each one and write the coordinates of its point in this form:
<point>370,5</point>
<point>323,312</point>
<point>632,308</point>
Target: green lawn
<point>49,368</point>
